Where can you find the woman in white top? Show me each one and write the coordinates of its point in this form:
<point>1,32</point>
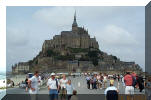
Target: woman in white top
<point>63,83</point>
<point>105,80</point>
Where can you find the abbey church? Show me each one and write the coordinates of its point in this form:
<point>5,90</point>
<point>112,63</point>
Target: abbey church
<point>78,37</point>
<point>74,51</point>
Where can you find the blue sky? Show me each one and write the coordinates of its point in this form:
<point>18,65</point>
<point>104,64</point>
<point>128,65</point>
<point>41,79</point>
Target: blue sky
<point>119,30</point>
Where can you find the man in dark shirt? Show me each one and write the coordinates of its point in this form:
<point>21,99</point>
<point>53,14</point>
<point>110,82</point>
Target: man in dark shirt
<point>140,83</point>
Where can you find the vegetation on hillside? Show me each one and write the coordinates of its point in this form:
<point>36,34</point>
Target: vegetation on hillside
<point>90,55</point>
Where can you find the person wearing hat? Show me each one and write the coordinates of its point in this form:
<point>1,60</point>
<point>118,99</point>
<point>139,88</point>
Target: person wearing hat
<point>53,87</point>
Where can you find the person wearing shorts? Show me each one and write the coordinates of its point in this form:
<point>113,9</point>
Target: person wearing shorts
<point>128,79</point>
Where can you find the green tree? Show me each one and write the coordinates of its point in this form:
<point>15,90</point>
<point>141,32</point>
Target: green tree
<point>50,53</point>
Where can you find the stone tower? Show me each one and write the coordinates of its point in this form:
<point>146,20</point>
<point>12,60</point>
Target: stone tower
<point>74,25</point>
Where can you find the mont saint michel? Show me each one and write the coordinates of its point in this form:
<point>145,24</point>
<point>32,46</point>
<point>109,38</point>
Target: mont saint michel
<point>74,51</point>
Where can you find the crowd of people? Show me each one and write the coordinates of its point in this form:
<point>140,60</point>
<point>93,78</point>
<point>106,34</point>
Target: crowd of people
<point>55,86</point>
<point>130,80</point>
<point>64,88</point>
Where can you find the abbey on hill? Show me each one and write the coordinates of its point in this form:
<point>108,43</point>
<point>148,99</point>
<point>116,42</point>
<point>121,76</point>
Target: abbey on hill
<point>78,37</point>
<point>74,51</point>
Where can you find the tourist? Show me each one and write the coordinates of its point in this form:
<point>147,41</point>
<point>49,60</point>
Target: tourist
<point>94,82</point>
<point>140,83</point>
<point>118,78</point>
<point>111,92</point>
<point>114,76</point>
<point>74,96</point>
<point>69,88</point>
<point>105,80</point>
<point>63,83</point>
<point>53,87</point>
<point>91,82</point>
<point>128,79</point>
<point>98,77</point>
<point>40,81</point>
<point>26,82</point>
<point>88,78</point>
<point>148,89</point>
<point>100,82</point>
<point>33,85</point>
<point>112,80</point>
<point>121,77</point>
<point>123,82</point>
<point>134,79</point>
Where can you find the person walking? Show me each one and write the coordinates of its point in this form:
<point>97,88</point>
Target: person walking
<point>69,88</point>
<point>123,82</point>
<point>98,81</point>
<point>53,87</point>
<point>134,80</point>
<point>91,82</point>
<point>33,85</point>
<point>88,81</point>
<point>148,89</point>
<point>118,78</point>
<point>26,82</point>
<point>112,80</point>
<point>128,79</point>
<point>105,80</point>
<point>63,83</point>
<point>40,81</point>
<point>140,83</point>
<point>94,82</point>
<point>121,77</point>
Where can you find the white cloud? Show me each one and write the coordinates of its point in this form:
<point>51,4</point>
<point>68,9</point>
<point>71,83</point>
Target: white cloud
<point>113,35</point>
<point>120,42</point>
<point>55,16</point>
<point>17,37</point>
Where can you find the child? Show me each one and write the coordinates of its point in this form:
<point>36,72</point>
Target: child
<point>69,89</point>
<point>112,80</point>
<point>74,97</point>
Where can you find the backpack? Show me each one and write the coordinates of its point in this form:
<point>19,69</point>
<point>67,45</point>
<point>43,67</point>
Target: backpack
<point>57,85</point>
<point>112,95</point>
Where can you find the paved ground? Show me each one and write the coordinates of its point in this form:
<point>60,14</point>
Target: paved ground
<point>79,84</point>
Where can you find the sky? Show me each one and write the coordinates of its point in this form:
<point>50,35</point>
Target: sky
<point>119,30</point>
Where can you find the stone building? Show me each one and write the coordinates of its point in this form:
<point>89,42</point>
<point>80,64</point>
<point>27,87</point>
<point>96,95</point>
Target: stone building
<point>74,51</point>
<point>21,67</point>
<point>78,37</point>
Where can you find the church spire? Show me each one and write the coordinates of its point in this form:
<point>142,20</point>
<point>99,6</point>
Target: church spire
<point>75,21</point>
<point>75,16</point>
